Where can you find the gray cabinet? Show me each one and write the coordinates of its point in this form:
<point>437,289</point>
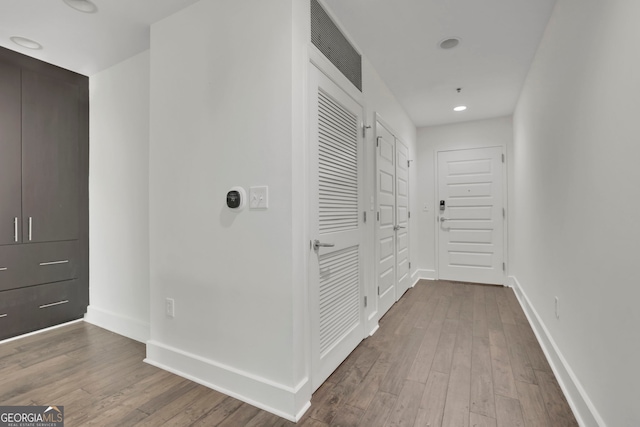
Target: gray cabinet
<point>50,159</point>
<point>44,143</point>
<point>10,155</point>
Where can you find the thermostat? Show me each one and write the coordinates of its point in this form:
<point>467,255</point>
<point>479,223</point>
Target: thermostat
<point>236,198</point>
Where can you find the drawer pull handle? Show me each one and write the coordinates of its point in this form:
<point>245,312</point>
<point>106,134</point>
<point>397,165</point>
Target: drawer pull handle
<point>42,264</point>
<point>54,304</point>
<point>15,229</point>
<point>3,269</point>
<point>30,228</point>
<point>3,315</point>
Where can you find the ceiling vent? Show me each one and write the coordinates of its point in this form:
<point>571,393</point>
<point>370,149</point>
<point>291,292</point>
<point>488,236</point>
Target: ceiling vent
<point>326,36</point>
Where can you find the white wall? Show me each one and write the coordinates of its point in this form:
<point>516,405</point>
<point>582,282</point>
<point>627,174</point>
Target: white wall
<point>119,198</point>
<point>576,180</point>
<point>222,96</point>
<point>481,133</point>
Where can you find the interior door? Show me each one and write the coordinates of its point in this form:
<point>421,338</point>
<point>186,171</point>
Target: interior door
<point>10,155</point>
<point>386,233</point>
<point>403,276</point>
<point>50,158</point>
<point>336,225</point>
<point>471,221</point>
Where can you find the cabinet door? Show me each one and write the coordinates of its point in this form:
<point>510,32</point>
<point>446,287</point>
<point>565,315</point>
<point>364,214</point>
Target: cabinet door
<point>10,155</point>
<point>50,158</point>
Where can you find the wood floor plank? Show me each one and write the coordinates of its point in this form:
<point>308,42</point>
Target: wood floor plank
<point>407,405</point>
<point>456,408</point>
<point>443,356</point>
<point>482,397</point>
<point>401,362</point>
<point>219,413</point>
<point>491,309</point>
<point>480,325</point>
<point>522,370</point>
<point>533,410</point>
<point>508,412</point>
<point>367,389</point>
<point>476,420</point>
<point>503,380</point>
<point>433,400</point>
<point>349,416</point>
<point>378,412</point>
<point>426,353</point>
<point>504,307</point>
<point>558,410</point>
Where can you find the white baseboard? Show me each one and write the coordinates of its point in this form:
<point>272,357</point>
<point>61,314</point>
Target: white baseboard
<point>121,325</point>
<point>585,412</point>
<point>423,274</point>
<point>286,402</point>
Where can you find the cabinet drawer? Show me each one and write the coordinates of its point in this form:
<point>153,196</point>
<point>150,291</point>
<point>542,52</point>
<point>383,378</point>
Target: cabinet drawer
<point>36,307</point>
<point>37,263</point>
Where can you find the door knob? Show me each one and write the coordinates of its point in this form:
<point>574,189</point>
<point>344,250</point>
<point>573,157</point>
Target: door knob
<point>317,245</point>
<point>397,227</point>
<point>443,219</point>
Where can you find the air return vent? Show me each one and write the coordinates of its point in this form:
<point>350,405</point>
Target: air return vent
<point>326,36</point>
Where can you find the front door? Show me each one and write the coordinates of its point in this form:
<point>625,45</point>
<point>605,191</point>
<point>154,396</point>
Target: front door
<point>336,225</point>
<point>471,215</point>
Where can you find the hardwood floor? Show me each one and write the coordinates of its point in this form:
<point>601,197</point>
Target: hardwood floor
<point>447,354</point>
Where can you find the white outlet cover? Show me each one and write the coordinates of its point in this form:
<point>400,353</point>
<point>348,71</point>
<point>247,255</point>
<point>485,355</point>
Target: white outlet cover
<point>259,197</point>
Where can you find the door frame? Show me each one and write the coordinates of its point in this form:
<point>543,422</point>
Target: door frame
<point>436,200</point>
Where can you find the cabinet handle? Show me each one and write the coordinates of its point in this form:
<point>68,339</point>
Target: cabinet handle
<point>3,315</point>
<point>54,262</point>
<point>3,269</point>
<point>15,229</point>
<point>30,227</point>
<point>54,304</point>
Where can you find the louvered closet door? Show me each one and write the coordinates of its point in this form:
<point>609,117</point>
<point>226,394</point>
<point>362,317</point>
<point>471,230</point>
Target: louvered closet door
<point>335,267</point>
<point>402,219</point>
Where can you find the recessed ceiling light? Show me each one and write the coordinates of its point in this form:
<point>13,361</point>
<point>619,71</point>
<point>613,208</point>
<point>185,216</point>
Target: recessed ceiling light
<point>24,42</point>
<point>449,43</point>
<point>82,5</point>
<point>460,108</point>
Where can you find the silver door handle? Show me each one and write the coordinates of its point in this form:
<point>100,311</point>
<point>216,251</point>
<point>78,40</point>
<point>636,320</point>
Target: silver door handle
<point>443,219</point>
<point>317,245</point>
<point>398,227</point>
<point>30,228</point>
<point>15,229</point>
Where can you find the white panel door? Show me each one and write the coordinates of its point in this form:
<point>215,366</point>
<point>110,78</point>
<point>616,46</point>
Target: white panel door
<point>403,277</point>
<point>336,225</point>
<point>386,234</point>
<point>471,225</point>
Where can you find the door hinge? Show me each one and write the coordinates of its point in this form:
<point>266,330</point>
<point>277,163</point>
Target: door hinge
<point>378,215</point>
<point>504,213</point>
<point>503,158</point>
<point>409,265</point>
<point>378,141</point>
<point>365,302</point>
<point>378,290</point>
<point>504,267</point>
<point>365,216</point>
<point>409,214</point>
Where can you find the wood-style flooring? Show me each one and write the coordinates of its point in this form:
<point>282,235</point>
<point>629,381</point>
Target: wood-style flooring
<point>447,354</point>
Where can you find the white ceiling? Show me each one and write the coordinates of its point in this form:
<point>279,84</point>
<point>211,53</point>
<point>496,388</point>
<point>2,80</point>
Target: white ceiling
<point>399,37</point>
<point>83,42</point>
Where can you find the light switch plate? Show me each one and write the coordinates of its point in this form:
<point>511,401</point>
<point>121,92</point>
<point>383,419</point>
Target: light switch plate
<point>259,197</point>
